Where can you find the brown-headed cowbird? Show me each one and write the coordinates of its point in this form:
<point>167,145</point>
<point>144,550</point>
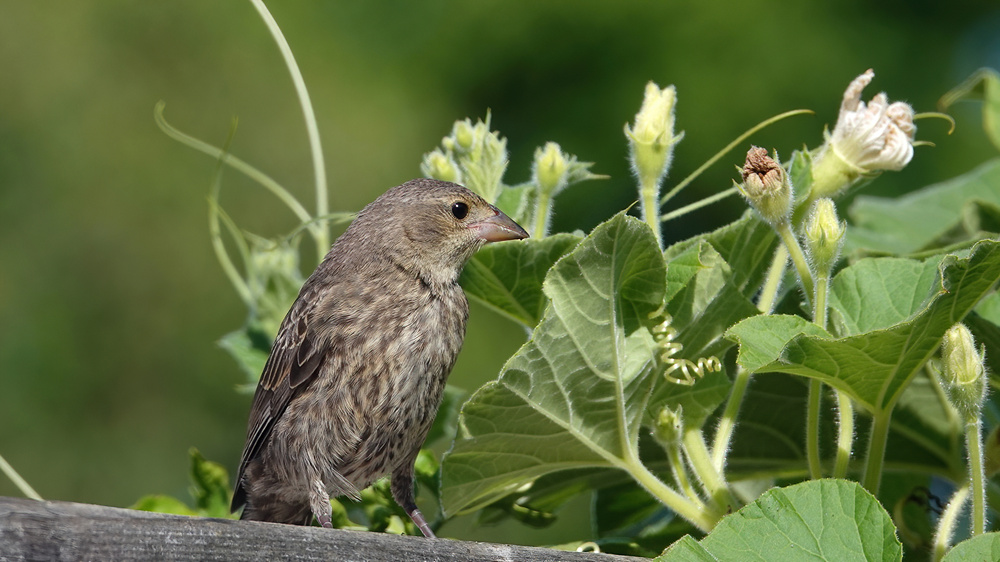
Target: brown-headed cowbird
<point>357,370</point>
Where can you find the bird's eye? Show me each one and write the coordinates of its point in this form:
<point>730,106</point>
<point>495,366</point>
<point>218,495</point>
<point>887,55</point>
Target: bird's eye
<point>459,209</point>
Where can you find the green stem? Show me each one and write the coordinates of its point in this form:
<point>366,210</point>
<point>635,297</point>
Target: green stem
<point>769,292</point>
<point>649,194</point>
<point>680,474</point>
<point>21,483</point>
<point>877,438</point>
<point>542,215</point>
<point>812,429</point>
<point>698,204</point>
<point>727,423</point>
<point>819,302</point>
<point>711,479</point>
<point>321,233</point>
<point>947,522</point>
<point>973,441</point>
<point>736,142</point>
<point>681,505</point>
<point>239,165</point>
<point>798,257</point>
<point>845,436</point>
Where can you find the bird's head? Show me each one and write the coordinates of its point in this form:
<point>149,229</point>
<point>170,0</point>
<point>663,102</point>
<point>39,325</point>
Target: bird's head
<point>433,227</point>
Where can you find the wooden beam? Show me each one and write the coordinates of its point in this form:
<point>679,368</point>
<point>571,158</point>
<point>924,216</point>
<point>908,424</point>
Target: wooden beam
<point>63,531</point>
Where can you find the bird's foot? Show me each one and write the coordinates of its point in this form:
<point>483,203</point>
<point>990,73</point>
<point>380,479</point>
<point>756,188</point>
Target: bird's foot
<point>421,523</point>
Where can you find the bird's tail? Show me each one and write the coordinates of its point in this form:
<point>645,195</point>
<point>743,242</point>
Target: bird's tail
<point>276,510</point>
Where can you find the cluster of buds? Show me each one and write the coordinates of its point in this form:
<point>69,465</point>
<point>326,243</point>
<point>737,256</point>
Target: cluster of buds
<point>471,155</point>
<point>867,138</point>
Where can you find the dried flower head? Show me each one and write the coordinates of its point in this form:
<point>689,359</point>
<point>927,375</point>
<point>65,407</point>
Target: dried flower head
<point>766,186</point>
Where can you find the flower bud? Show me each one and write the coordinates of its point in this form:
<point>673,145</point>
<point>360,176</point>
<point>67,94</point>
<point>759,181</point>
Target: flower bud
<point>652,139</point>
<point>964,371</point>
<point>550,168</point>
<point>440,166</point>
<point>766,186</point>
<point>464,135</point>
<point>866,139</point>
<point>669,428</point>
<point>824,235</point>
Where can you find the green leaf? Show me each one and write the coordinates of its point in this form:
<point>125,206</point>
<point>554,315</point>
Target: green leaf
<point>876,293</point>
<point>873,367</point>
<point>508,277</point>
<point>761,338</point>
<point>161,503</point>
<point>746,245</point>
<point>989,308</point>
<point>816,520</point>
<point>516,202</point>
<point>574,394</point>
<point>250,353</point>
<point>983,547</point>
<point>210,486</point>
<point>686,550</point>
<point>908,224</point>
<point>983,84</point>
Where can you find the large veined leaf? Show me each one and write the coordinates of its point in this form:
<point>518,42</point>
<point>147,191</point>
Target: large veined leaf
<point>508,277</point>
<point>983,547</point>
<point>745,245</point>
<point>574,394</point>
<point>873,367</point>
<point>914,222</point>
<point>816,520</point>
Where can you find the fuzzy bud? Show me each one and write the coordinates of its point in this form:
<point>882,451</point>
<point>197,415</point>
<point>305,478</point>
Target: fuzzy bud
<point>964,371</point>
<point>669,427</point>
<point>651,138</point>
<point>440,166</point>
<point>824,235</point>
<point>550,168</point>
<point>464,135</point>
<point>766,186</point>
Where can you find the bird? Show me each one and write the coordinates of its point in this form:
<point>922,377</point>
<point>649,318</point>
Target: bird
<point>357,370</point>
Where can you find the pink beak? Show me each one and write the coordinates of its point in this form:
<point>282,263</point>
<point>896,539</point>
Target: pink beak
<point>498,228</point>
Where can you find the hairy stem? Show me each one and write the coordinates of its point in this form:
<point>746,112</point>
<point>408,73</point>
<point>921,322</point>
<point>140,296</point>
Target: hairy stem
<point>877,438</point>
<point>947,522</point>
<point>798,257</point>
<point>681,505</point>
<point>845,435</point>
<point>650,205</point>
<point>772,283</point>
<point>973,443</point>
<point>698,204</point>
<point>679,469</point>
<point>812,429</point>
<point>727,423</point>
<point>711,479</point>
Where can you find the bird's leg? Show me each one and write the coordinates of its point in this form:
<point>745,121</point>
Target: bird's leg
<point>319,502</point>
<point>402,492</point>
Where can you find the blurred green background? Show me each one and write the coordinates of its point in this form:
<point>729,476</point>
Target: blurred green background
<point>111,300</point>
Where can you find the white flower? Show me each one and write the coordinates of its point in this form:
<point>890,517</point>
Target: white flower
<point>873,136</point>
<point>868,138</point>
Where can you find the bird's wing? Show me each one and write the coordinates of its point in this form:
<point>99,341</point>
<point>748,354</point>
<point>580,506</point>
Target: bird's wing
<point>294,361</point>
